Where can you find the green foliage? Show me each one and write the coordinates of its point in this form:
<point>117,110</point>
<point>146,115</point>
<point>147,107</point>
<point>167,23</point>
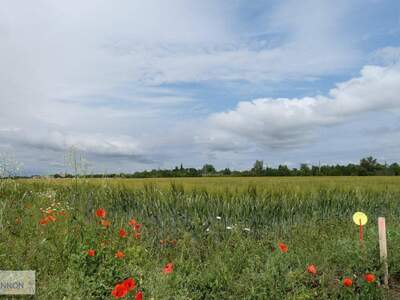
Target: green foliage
<point>207,170</point>
<point>368,166</point>
<point>258,168</point>
<point>222,235</point>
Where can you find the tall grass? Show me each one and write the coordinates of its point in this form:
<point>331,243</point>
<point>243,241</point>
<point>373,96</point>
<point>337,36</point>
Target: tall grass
<point>226,232</point>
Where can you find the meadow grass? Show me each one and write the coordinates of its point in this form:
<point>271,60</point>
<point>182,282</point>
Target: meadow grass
<point>221,234</point>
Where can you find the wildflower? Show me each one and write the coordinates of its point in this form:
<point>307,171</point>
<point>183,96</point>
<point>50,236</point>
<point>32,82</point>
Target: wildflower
<point>218,218</point>
<point>129,284</point>
<point>246,229</point>
<point>137,235</point>
<point>347,282</point>
<point>369,277</point>
<point>43,221</point>
<point>50,211</point>
<point>312,269</point>
<point>62,213</point>
<point>139,295</point>
<point>119,254</point>
<point>91,252</point>
<point>283,247</point>
<point>122,233</point>
<point>51,218</point>
<point>101,213</point>
<point>137,227</point>
<point>229,227</point>
<point>105,223</point>
<point>168,268</point>
<point>132,222</point>
<point>119,291</point>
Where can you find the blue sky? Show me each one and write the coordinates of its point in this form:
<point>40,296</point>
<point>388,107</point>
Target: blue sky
<point>137,85</point>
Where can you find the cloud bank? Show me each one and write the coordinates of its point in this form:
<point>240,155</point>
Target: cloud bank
<point>284,122</point>
<point>149,84</point>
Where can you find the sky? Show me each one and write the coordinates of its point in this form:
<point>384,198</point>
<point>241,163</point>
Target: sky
<point>134,85</point>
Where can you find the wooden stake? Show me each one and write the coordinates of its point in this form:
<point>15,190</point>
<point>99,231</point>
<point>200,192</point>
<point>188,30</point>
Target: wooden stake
<point>383,249</point>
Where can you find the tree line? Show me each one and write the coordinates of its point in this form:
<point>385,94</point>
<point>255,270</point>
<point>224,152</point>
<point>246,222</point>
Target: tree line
<point>368,166</point>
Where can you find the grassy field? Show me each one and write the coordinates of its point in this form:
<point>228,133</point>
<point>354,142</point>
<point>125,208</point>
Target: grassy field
<point>201,238</point>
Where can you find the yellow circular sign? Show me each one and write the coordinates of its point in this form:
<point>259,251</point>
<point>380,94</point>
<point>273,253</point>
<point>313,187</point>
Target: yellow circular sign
<point>360,217</point>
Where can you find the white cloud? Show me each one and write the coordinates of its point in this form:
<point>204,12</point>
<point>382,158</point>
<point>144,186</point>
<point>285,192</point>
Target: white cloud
<point>60,141</point>
<point>90,73</point>
<point>283,122</point>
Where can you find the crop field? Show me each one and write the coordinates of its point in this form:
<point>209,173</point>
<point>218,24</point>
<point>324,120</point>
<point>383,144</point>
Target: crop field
<point>201,238</point>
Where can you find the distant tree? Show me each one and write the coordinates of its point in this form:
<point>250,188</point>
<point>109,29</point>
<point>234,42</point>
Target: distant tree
<point>368,166</point>
<point>394,169</point>
<point>226,171</point>
<point>315,170</point>
<point>283,170</point>
<point>295,172</point>
<point>208,169</point>
<point>305,170</point>
<point>258,168</point>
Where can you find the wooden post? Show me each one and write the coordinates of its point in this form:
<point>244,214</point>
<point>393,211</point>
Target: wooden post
<point>383,249</point>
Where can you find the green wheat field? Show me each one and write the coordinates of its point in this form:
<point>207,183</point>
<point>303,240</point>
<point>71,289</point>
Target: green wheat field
<point>201,238</point>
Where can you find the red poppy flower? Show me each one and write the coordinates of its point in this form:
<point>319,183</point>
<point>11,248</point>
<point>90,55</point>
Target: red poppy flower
<point>91,252</point>
<point>51,218</point>
<point>369,277</point>
<point>101,213</point>
<point>137,227</point>
<point>168,268</point>
<point>137,235</point>
<point>122,233</point>
<point>139,295</point>
<point>347,282</point>
<point>132,222</point>
<point>283,247</point>
<point>119,291</point>
<point>312,269</point>
<point>43,221</point>
<point>129,284</point>
<point>119,254</point>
